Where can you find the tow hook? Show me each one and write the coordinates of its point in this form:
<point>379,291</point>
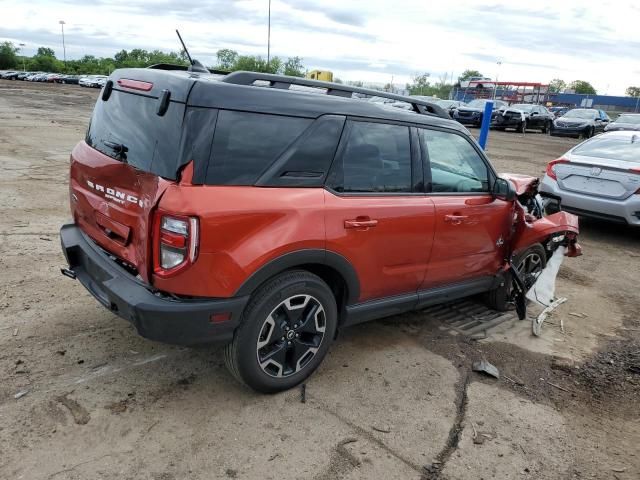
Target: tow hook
<point>68,273</point>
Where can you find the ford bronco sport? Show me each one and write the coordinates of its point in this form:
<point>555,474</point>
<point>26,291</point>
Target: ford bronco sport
<point>266,212</point>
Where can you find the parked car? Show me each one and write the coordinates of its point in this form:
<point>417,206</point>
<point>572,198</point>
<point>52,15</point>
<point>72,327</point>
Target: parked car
<point>69,79</point>
<point>10,75</point>
<point>559,111</point>
<point>95,81</point>
<point>477,82</point>
<point>599,178</point>
<point>523,116</point>
<point>472,113</point>
<point>626,121</point>
<point>23,75</point>
<point>580,122</point>
<point>212,208</point>
<point>52,77</point>
<point>450,105</point>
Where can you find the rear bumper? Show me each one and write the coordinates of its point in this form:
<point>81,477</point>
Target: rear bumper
<point>619,211</point>
<point>160,318</point>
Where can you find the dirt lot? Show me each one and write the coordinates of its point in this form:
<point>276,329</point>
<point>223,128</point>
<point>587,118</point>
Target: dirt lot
<point>394,399</point>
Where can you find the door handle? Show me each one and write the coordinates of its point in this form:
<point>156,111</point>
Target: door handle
<point>360,222</point>
<point>455,219</point>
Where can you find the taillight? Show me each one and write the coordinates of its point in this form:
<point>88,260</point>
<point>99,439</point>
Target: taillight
<point>551,173</point>
<point>175,243</point>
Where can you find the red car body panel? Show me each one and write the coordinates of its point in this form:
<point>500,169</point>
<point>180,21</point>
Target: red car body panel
<point>522,183</point>
<point>529,233</point>
<point>112,202</point>
<point>241,229</point>
<point>390,257</point>
<point>467,234</point>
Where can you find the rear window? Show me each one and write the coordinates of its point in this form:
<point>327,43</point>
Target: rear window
<point>152,141</point>
<point>624,148</point>
<point>245,145</point>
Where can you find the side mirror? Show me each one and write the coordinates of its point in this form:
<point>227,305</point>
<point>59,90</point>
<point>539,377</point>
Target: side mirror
<point>504,190</point>
<point>534,113</point>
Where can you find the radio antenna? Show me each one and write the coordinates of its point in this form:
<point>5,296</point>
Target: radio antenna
<point>184,47</point>
<point>196,66</point>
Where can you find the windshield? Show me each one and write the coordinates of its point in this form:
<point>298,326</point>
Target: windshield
<point>481,103</point>
<point>633,119</point>
<point>622,148</point>
<point>584,114</point>
<point>446,103</point>
<point>522,106</point>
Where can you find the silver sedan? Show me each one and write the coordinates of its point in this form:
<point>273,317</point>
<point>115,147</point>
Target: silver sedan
<point>599,178</point>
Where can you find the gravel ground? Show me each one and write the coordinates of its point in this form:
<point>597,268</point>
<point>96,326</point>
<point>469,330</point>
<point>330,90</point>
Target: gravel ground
<point>394,399</point>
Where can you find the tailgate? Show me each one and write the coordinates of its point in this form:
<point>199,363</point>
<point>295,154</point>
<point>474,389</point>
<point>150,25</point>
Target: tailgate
<point>112,202</point>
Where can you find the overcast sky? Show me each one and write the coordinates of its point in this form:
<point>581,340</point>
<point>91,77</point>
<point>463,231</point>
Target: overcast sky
<point>374,40</point>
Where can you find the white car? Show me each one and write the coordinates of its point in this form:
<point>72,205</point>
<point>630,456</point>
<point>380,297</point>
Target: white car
<point>599,178</point>
<point>96,81</point>
<point>477,82</point>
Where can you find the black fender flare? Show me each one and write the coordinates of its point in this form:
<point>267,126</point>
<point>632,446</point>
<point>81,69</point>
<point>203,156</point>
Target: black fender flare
<point>300,258</point>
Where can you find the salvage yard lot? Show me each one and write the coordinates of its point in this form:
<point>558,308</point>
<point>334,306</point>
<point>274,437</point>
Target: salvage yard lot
<point>394,399</point>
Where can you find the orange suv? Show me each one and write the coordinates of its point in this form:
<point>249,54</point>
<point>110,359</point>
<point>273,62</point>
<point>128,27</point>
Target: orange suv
<point>266,212</point>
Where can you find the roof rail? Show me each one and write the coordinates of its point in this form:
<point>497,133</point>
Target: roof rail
<point>337,89</point>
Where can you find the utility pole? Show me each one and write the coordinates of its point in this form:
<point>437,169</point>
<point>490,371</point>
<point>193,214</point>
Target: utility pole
<point>24,62</point>
<point>495,84</point>
<point>64,48</point>
<point>269,36</point>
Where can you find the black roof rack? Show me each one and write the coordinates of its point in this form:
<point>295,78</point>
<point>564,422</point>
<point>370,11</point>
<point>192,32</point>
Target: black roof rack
<point>337,89</point>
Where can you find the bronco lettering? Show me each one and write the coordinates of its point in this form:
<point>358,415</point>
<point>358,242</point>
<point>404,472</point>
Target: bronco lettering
<point>116,195</point>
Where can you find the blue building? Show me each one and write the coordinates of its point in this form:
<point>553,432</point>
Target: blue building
<point>603,102</point>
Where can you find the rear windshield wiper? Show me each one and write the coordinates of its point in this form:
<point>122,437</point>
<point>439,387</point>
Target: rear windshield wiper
<point>120,148</point>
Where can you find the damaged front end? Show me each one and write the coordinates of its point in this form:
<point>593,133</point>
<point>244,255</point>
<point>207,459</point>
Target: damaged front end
<point>556,233</point>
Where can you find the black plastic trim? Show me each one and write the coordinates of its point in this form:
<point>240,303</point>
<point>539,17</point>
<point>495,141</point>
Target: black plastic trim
<point>300,258</point>
<point>161,318</point>
<point>385,307</point>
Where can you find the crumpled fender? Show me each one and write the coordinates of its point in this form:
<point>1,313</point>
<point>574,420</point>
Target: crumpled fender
<point>529,232</point>
<point>522,183</point>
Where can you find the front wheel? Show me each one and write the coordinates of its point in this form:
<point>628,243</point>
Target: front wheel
<point>529,263</point>
<point>285,332</point>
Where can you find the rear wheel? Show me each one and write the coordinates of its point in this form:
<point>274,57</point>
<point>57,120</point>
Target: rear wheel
<point>529,264</point>
<point>285,332</point>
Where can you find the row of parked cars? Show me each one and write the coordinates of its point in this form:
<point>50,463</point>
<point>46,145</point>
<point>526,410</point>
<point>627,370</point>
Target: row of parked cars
<point>95,81</point>
<point>557,121</point>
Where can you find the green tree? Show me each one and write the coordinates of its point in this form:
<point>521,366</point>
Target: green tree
<point>45,52</point>
<point>467,74</point>
<point>557,85</point>
<point>227,58</point>
<point>633,91</point>
<point>420,85</point>
<point>294,67</point>
<point>8,55</point>
<point>582,86</point>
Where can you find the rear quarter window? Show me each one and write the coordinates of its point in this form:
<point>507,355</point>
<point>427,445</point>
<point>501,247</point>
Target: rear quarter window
<point>245,145</point>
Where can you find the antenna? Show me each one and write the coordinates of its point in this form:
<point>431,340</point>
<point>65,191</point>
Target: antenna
<point>184,47</point>
<point>196,66</point>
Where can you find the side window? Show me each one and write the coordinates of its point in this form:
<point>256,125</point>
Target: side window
<point>245,144</point>
<point>376,158</point>
<point>455,164</point>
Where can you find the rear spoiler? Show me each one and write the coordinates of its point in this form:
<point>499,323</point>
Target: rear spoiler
<point>171,66</point>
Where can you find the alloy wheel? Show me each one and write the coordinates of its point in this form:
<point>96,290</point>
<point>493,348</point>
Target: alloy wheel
<point>530,268</point>
<point>291,335</point>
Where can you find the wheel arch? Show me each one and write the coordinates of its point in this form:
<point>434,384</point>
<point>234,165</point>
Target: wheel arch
<point>333,268</point>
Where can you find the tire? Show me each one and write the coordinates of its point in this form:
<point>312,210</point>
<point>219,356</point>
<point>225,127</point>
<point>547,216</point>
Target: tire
<point>546,127</point>
<point>499,298</point>
<point>280,341</point>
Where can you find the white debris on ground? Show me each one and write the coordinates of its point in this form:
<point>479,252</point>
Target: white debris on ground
<point>543,291</point>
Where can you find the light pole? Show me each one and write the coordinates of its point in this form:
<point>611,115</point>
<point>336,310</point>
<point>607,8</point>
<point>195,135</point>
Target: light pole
<point>495,86</point>
<point>269,36</point>
<point>64,49</point>
<point>24,63</point>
